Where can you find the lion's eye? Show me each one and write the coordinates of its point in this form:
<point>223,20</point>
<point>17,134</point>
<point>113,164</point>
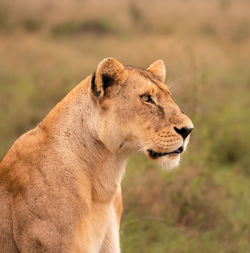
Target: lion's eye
<point>147,99</point>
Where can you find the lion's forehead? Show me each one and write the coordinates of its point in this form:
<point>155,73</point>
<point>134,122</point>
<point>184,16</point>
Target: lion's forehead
<point>141,80</point>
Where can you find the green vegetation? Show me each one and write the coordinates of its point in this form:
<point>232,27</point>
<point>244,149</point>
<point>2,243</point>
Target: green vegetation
<point>204,205</point>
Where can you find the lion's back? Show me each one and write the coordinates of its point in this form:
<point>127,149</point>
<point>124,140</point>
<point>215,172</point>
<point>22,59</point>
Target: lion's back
<point>14,177</point>
<point>7,242</point>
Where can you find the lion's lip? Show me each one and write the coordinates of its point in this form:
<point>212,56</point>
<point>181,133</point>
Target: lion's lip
<point>155,155</point>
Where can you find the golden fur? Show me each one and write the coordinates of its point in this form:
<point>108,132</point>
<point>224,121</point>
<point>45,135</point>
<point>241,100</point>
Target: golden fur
<point>60,182</point>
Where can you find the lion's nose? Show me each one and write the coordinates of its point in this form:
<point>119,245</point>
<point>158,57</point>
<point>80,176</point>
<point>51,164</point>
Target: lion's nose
<point>184,131</point>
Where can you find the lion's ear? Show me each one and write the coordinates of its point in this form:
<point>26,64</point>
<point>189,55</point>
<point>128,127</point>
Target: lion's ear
<point>158,70</point>
<point>108,73</point>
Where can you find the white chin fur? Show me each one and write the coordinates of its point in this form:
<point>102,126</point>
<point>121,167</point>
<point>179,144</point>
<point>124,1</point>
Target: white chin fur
<point>169,162</point>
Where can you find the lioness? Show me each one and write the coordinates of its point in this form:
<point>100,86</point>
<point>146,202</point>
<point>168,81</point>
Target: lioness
<point>60,182</point>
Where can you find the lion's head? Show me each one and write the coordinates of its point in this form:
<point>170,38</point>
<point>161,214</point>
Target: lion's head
<point>136,112</point>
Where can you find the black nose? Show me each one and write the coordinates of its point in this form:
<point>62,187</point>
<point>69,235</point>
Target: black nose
<point>184,131</point>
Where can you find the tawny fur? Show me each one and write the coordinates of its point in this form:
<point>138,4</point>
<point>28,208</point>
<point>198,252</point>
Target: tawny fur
<point>60,182</point>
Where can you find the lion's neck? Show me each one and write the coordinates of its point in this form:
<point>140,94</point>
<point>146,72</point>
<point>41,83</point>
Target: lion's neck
<point>77,142</point>
<point>103,168</point>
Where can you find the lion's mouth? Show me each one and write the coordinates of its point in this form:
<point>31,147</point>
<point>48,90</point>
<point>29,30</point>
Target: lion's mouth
<point>156,155</point>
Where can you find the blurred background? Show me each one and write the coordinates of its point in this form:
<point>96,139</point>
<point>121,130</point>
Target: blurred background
<point>48,46</point>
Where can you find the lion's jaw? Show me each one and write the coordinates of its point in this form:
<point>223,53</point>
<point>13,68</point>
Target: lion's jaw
<point>168,160</point>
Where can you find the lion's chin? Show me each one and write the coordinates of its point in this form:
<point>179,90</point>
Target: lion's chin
<point>169,162</point>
